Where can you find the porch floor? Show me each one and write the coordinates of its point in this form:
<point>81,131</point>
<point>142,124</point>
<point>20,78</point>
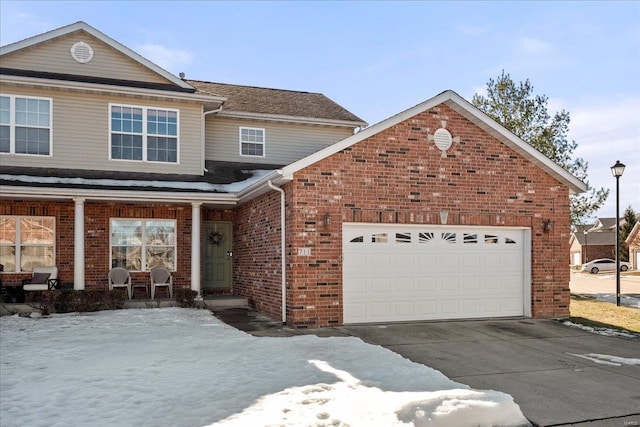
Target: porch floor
<point>210,302</point>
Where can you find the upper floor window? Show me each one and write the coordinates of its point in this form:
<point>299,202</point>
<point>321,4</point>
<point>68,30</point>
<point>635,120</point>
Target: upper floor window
<point>252,142</point>
<point>143,134</point>
<point>26,242</point>
<point>25,125</point>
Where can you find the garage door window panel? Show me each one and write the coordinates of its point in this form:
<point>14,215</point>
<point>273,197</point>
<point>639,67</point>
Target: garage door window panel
<point>470,238</point>
<point>425,237</point>
<point>491,239</point>
<point>379,238</point>
<point>403,237</point>
<point>448,238</point>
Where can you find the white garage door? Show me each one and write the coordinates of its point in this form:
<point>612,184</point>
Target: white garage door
<point>398,272</point>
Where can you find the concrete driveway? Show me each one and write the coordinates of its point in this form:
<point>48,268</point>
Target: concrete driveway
<point>550,369</point>
<point>543,364</point>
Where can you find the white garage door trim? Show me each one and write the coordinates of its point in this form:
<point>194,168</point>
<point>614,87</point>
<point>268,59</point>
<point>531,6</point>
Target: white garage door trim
<point>407,272</point>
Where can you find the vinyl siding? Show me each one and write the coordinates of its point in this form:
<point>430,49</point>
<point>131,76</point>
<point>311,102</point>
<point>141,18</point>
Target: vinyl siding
<point>284,143</point>
<point>81,134</point>
<point>55,57</point>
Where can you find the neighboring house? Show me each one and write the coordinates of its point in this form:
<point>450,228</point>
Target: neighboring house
<point>587,243</point>
<point>435,213</point>
<point>633,241</point>
<point>605,224</point>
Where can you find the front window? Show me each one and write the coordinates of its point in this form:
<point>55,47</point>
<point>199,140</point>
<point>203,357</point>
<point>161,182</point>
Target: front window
<point>252,142</point>
<point>141,244</point>
<point>25,125</point>
<point>143,134</point>
<point>26,242</point>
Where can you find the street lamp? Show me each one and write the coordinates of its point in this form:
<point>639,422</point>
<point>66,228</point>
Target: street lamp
<point>617,170</point>
<point>586,247</point>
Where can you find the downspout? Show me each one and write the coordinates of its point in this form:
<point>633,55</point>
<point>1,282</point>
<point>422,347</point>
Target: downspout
<point>282,255</point>
<point>202,136</point>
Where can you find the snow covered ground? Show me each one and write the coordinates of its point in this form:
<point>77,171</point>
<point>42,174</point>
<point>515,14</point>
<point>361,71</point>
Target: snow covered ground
<point>181,367</point>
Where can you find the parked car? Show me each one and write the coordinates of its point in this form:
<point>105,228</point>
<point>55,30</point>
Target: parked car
<point>604,264</point>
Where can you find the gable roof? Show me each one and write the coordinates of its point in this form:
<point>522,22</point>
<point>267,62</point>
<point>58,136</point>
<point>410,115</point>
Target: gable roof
<point>278,104</point>
<point>468,111</point>
<point>596,238</point>
<point>634,236</point>
<point>604,224</point>
<point>83,26</point>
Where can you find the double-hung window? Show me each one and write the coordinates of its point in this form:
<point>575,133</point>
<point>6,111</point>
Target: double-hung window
<point>26,242</point>
<point>252,142</point>
<point>143,134</point>
<point>25,125</point>
<point>141,244</point>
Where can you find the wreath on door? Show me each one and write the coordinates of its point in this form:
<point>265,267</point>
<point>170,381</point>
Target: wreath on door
<point>215,238</point>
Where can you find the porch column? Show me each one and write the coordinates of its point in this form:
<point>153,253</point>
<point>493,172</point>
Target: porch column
<point>195,247</point>
<point>78,244</point>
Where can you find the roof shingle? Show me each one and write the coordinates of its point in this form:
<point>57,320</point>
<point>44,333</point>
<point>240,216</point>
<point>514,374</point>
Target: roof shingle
<point>250,99</point>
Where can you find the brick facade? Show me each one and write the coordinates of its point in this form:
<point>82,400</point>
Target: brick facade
<point>257,254</point>
<point>396,176</point>
<point>97,216</point>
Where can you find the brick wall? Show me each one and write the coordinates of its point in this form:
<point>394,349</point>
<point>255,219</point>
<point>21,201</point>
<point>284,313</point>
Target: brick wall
<point>97,216</point>
<point>397,176</point>
<point>257,254</point>
<point>64,214</point>
<point>599,251</point>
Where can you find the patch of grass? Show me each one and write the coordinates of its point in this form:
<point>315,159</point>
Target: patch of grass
<point>604,314</point>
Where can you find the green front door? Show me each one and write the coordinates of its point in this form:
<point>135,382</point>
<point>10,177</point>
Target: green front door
<point>217,242</point>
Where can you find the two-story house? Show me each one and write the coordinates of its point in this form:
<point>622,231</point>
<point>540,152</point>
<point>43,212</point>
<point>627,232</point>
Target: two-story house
<point>281,196</point>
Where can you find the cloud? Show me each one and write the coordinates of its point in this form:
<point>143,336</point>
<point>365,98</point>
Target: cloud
<point>533,46</point>
<point>606,130</point>
<point>169,59</point>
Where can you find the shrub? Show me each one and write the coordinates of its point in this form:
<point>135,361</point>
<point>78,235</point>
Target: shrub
<point>185,297</point>
<point>46,302</point>
<point>112,300</point>
<point>64,300</point>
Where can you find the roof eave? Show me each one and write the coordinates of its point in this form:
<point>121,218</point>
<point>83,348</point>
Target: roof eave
<point>227,199</point>
<point>480,119</point>
<point>101,88</point>
<point>291,119</point>
<point>466,109</point>
<point>80,25</point>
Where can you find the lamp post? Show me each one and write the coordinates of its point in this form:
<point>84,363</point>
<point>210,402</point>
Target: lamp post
<point>617,170</point>
<point>586,247</point>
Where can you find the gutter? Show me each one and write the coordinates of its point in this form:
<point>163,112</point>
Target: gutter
<point>107,89</point>
<point>283,248</point>
<point>225,199</point>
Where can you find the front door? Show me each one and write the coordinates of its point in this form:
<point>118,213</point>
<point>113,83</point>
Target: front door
<point>217,241</point>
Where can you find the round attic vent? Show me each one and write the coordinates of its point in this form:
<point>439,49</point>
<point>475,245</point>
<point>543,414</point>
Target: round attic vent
<point>82,52</point>
<point>443,139</point>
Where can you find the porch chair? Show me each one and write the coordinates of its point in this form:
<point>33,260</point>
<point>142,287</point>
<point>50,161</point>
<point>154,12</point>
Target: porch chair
<point>119,277</point>
<point>161,276</point>
<point>43,278</point>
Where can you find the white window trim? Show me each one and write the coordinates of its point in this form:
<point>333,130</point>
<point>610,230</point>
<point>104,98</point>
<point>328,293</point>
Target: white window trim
<point>18,244</point>
<point>264,141</point>
<point>12,125</point>
<point>143,245</point>
<point>145,134</point>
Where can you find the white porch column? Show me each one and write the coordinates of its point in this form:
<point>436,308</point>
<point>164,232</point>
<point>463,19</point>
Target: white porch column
<point>78,244</point>
<point>195,247</point>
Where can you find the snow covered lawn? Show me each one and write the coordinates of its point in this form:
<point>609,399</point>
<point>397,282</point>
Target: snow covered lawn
<point>182,367</point>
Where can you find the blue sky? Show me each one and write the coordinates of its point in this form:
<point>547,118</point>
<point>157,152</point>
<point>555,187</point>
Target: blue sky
<point>379,58</point>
